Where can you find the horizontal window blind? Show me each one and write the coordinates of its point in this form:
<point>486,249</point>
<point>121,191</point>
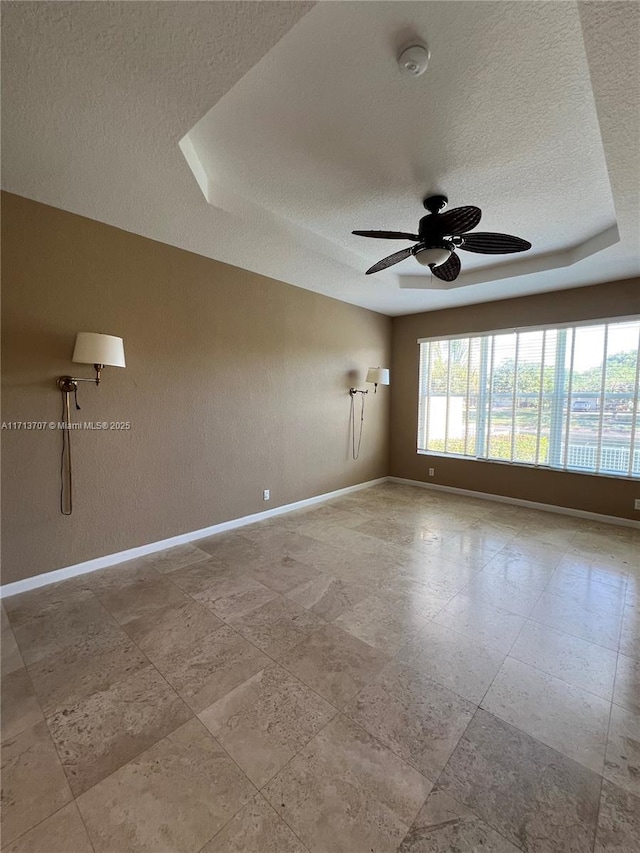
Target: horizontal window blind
<point>559,397</point>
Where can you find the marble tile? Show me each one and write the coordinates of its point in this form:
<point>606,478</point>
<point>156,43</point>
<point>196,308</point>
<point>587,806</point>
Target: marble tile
<point>255,829</point>
<point>536,798</point>
<point>172,627</point>
<point>627,688</point>
<point>33,781</point>
<point>63,832</point>
<point>605,545</point>
<point>328,597</point>
<point>622,762</point>
<point>210,573</point>
<point>556,537</point>
<point>564,717</point>
<point>174,796</point>
<point>234,548</point>
<point>388,621</point>
<point>345,792</point>
<point>141,598</point>
<point>453,660</point>
<point>619,821</point>
<point>587,593</point>
<point>496,591</point>
<point>591,572</point>
<point>277,626</point>
<point>400,533</point>
<point>491,626</point>
<point>210,668</point>
<point>11,657</point>
<point>66,626</point>
<point>333,514</point>
<point>177,558</point>
<point>334,663</point>
<point>566,615</point>
<point>414,717</point>
<point>535,552</point>
<point>630,633</point>
<point>491,524</point>
<point>91,665</point>
<point>519,570</point>
<point>445,826</point>
<point>386,566</point>
<point>97,735</point>
<point>265,721</point>
<point>473,548</point>
<point>565,656</point>
<point>632,599</point>
<point>324,555</point>
<point>438,576</point>
<point>117,576</point>
<point>276,543</point>
<point>20,707</point>
<point>43,601</point>
<point>227,582</point>
<point>239,603</point>
<point>284,573</point>
<point>349,540</point>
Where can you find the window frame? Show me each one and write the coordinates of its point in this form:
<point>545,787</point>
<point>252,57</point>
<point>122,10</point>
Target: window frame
<point>558,445</point>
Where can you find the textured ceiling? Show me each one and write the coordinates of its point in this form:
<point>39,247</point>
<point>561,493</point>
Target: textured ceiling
<point>299,127</point>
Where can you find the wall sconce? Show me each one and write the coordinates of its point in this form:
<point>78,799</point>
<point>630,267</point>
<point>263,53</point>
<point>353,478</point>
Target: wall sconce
<point>95,349</point>
<point>379,376</point>
<point>100,351</point>
<point>375,376</point>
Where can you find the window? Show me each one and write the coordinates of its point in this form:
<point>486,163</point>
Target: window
<point>559,397</point>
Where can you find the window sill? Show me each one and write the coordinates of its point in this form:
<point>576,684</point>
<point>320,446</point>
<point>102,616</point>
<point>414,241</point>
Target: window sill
<point>632,478</point>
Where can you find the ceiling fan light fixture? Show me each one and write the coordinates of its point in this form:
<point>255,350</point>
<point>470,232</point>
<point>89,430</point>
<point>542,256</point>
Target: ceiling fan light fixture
<point>433,257</point>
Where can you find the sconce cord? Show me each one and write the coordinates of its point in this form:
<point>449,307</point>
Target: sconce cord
<point>66,453</point>
<point>356,453</point>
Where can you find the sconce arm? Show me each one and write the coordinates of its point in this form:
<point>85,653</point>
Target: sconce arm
<point>68,383</point>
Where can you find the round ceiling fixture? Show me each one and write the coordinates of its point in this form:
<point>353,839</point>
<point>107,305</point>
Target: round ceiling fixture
<point>413,60</point>
<point>433,257</point>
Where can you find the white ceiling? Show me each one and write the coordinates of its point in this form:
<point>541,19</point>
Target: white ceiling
<point>298,127</point>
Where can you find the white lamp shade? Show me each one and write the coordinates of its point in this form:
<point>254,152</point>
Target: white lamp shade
<point>435,257</point>
<point>379,375</point>
<point>92,348</point>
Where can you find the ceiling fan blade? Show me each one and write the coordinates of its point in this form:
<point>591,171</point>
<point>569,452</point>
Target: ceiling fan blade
<point>453,222</point>
<point>391,260</point>
<point>387,235</point>
<point>449,270</point>
<point>493,244</point>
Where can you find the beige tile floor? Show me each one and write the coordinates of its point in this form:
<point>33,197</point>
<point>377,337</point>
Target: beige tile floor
<point>398,669</point>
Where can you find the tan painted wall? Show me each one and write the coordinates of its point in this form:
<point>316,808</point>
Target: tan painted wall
<point>234,383</point>
<point>596,494</point>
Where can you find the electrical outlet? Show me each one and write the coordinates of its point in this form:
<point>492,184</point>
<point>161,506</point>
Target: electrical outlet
<point>266,494</point>
<point>432,472</point>
<point>637,504</point>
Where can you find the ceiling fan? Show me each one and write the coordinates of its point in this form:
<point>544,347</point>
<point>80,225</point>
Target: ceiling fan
<point>440,234</point>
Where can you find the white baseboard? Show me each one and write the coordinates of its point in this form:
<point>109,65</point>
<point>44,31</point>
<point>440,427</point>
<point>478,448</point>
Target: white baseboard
<point>142,550</point>
<point>487,496</point>
<point>183,538</point>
